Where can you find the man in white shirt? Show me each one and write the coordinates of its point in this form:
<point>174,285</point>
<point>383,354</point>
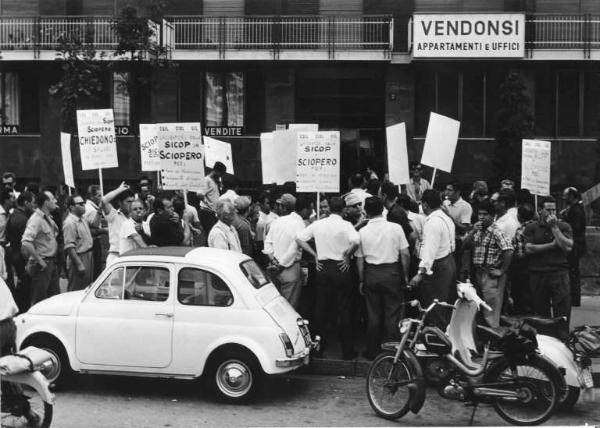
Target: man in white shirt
<point>223,235</point>
<point>382,260</point>
<point>281,247</point>
<point>335,241</point>
<point>116,217</point>
<point>212,181</point>
<point>356,183</point>
<point>265,218</point>
<point>129,238</point>
<point>436,275</point>
<point>93,217</point>
<point>417,185</point>
<point>505,221</point>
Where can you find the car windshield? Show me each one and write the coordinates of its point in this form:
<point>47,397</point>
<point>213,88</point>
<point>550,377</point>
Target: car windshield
<point>254,274</point>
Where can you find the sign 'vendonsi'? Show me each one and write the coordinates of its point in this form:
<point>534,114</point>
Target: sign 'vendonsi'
<point>469,36</point>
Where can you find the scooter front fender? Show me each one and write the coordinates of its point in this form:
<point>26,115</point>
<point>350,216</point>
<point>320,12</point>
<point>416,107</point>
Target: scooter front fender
<point>561,356</point>
<point>36,380</point>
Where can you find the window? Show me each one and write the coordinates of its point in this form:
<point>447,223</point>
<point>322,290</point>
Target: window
<point>147,283</point>
<point>224,99</point>
<point>592,104</point>
<point>254,274</point>
<point>568,103</point>
<point>472,106</point>
<point>10,99</point>
<point>201,288</point>
<point>545,96</point>
<point>121,99</point>
<point>112,287</point>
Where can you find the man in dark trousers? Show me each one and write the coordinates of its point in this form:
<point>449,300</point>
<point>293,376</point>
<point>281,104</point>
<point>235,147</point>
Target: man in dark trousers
<point>15,227</point>
<point>436,275</point>
<point>166,229</point>
<point>396,213</point>
<point>335,241</point>
<point>548,243</point>
<point>382,260</point>
<point>574,215</point>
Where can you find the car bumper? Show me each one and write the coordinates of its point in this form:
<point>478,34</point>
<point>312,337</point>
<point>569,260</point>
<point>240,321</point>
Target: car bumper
<point>303,358</point>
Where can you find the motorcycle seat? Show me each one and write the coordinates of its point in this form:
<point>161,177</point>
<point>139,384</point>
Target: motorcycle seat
<point>556,327</point>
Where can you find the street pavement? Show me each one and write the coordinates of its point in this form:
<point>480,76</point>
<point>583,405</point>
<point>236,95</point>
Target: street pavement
<point>296,400</point>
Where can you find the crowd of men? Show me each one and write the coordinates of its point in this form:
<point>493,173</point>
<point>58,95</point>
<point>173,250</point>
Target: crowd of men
<point>355,262</point>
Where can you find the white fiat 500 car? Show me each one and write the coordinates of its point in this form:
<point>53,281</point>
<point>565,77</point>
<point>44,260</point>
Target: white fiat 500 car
<point>175,312</point>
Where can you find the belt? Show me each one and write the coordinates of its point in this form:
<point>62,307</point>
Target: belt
<point>85,252</point>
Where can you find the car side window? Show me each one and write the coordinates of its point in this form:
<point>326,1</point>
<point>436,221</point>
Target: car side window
<point>112,287</point>
<point>147,283</point>
<point>197,287</point>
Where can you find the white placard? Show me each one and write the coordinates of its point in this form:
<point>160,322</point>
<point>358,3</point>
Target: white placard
<point>181,155</point>
<point>535,167</point>
<point>318,162</point>
<point>440,142</point>
<point>397,153</point>
<point>278,155</point>
<point>304,127</point>
<point>473,35</point>
<point>65,149</point>
<point>591,195</point>
<point>218,151</point>
<point>97,140</point>
<point>149,147</point>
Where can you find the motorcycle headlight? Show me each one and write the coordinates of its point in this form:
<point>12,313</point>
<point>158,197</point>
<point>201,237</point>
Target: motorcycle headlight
<point>404,326</point>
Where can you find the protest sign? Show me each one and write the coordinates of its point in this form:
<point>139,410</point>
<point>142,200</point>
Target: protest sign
<point>218,151</point>
<point>278,156</point>
<point>318,162</point>
<point>149,147</point>
<point>535,167</point>
<point>181,155</point>
<point>397,154</point>
<point>304,127</point>
<point>97,140</point>
<point>440,142</point>
<point>591,195</point>
<point>65,149</point>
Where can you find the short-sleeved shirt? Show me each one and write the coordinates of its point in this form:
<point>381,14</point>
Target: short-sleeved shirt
<point>460,211</point>
<point>333,236</point>
<point>244,231</point>
<point>224,237</point>
<point>76,234</point>
<point>488,247</point>
<point>115,219</point>
<point>3,221</point>
<point>126,241</point>
<point>551,260</point>
<point>508,224</point>
<point>210,191</point>
<point>41,231</point>
<point>381,241</point>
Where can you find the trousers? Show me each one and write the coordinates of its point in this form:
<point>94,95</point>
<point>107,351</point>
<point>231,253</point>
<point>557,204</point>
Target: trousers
<point>492,290</point>
<point>440,285</point>
<point>290,284</point>
<point>44,282</point>
<point>80,280</point>
<point>552,294</point>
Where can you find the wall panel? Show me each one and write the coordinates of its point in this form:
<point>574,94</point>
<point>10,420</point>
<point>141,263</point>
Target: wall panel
<point>19,7</point>
<point>223,7</point>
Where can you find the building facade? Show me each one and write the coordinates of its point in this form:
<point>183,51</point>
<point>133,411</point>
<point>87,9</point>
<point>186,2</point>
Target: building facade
<point>243,67</point>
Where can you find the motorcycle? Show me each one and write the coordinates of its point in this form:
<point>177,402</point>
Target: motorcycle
<point>511,375</point>
<point>25,398</point>
<point>558,346</point>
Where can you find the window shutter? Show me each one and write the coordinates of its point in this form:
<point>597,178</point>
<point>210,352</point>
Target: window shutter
<point>223,7</point>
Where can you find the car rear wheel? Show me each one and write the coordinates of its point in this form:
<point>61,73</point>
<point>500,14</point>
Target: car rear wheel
<point>235,376</point>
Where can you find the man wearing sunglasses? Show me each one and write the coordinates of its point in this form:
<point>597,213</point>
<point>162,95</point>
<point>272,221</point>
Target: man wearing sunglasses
<point>78,245</point>
<point>417,185</point>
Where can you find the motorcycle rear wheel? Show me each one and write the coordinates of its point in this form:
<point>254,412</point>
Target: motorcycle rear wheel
<point>39,414</point>
<point>538,387</point>
<point>388,386</point>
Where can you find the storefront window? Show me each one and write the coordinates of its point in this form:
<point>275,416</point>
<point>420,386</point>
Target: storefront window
<point>472,105</point>
<point>448,94</point>
<point>10,99</point>
<point>591,120</point>
<point>121,98</point>
<point>568,104</point>
<point>545,94</point>
<point>224,99</point>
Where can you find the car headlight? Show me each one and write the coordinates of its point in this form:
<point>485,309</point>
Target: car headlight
<point>287,345</point>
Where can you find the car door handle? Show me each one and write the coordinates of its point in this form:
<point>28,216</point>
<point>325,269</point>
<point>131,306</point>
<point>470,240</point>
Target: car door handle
<point>164,314</point>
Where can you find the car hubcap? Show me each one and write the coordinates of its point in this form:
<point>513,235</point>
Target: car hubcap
<point>53,372</point>
<point>234,378</point>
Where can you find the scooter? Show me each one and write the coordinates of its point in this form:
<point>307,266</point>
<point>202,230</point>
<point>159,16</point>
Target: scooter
<point>556,344</point>
<point>25,398</point>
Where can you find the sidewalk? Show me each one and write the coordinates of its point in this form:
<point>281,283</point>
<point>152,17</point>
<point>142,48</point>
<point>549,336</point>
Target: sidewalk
<point>588,313</point>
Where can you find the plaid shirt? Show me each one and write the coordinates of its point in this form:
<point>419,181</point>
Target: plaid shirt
<point>488,246</point>
<point>519,240</point>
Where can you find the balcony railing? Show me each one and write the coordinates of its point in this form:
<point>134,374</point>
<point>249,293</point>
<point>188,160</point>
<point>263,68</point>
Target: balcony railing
<point>563,32</point>
<point>283,32</point>
<point>44,33</point>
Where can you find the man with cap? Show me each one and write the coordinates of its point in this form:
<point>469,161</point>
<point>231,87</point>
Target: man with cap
<point>416,185</point>
<point>335,242</point>
<point>356,182</point>
<point>242,224</point>
<point>354,212</point>
<point>281,247</point>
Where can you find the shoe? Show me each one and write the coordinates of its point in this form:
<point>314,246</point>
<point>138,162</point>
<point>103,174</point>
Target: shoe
<point>349,356</point>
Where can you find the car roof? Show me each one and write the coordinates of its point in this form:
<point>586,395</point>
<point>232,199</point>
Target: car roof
<point>188,254</point>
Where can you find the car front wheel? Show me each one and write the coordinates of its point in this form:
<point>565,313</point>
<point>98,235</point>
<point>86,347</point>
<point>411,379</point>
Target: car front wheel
<point>60,373</point>
<point>235,376</point>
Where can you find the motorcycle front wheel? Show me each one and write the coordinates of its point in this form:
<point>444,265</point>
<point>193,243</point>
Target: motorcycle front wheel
<point>25,408</point>
<point>388,386</point>
<point>537,385</point>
